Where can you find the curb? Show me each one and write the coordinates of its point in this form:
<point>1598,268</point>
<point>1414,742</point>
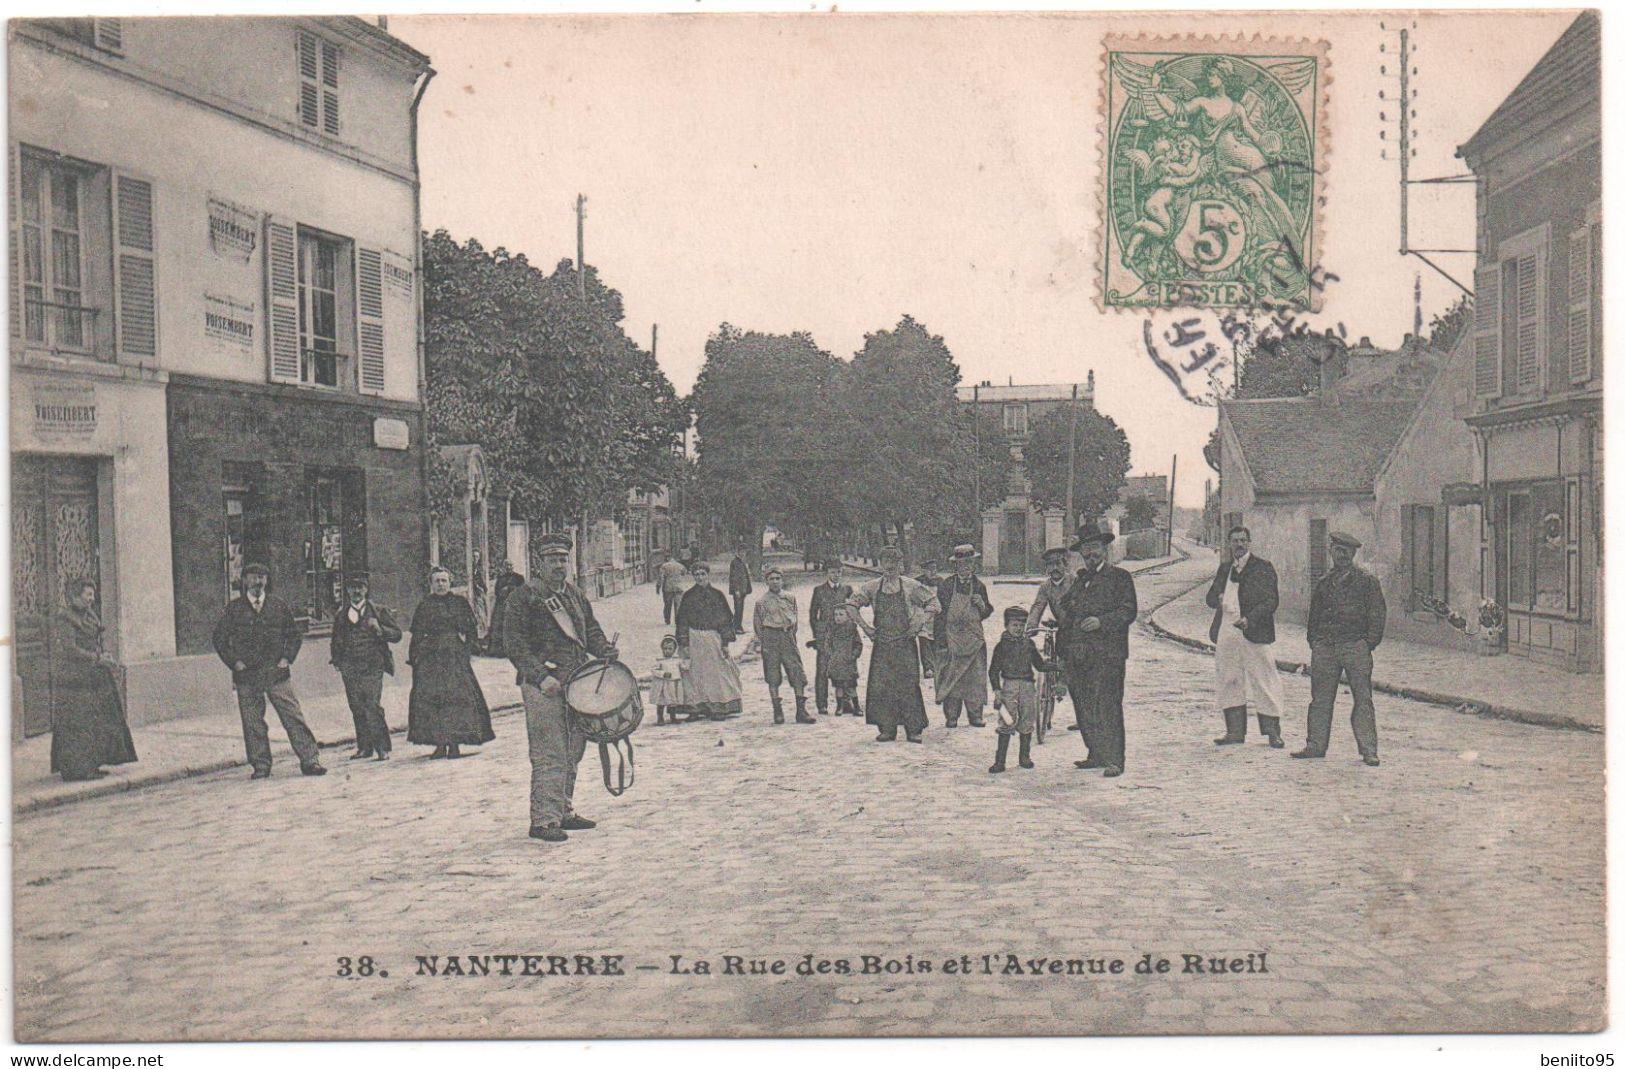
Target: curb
<point>158,779</point>
<point>1467,706</point>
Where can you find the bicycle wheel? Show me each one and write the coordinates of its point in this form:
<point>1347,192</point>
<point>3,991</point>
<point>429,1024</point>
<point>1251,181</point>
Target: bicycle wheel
<point>1046,708</point>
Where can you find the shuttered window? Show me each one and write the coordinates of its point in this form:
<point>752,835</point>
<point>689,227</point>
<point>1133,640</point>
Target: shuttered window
<point>136,264</point>
<point>1487,332</point>
<point>1523,334</point>
<point>1580,341</point>
<point>370,304</point>
<point>318,83</point>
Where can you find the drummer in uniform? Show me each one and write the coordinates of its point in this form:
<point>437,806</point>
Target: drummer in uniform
<point>549,632</point>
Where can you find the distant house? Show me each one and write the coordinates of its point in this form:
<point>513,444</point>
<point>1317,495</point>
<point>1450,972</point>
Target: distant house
<point>1537,342</point>
<point>1014,533</point>
<point>1378,452</point>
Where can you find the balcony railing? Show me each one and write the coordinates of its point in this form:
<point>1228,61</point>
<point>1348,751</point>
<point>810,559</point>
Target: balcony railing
<point>61,326</point>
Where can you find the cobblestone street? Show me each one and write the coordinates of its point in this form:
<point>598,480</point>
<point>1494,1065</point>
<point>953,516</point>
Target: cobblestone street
<point>1458,887</point>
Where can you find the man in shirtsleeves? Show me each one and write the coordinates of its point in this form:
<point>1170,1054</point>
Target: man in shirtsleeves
<point>774,621</point>
<point>550,632</point>
<point>1347,614</point>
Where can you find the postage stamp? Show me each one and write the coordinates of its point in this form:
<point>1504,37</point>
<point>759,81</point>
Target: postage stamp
<point>1213,171</point>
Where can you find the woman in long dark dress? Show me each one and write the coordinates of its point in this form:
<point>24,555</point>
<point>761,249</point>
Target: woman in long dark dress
<point>903,610</point>
<point>87,715</point>
<point>447,708</point>
<point>705,626</point>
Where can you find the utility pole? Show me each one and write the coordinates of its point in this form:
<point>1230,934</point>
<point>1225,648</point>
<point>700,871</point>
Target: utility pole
<point>976,459</point>
<point>1173,475</point>
<point>654,340</point>
<point>581,246</point>
<point>1071,463</point>
<point>1404,141</point>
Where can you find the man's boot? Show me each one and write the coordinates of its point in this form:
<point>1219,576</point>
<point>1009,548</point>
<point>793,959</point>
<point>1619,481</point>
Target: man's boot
<point>778,709</point>
<point>975,716</point>
<point>801,710</point>
<point>1026,760</point>
<point>1235,726</point>
<point>1271,727</point>
<point>999,756</point>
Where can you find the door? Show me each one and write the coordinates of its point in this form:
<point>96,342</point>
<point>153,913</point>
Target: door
<point>1013,546</point>
<point>54,538</point>
<point>519,547</point>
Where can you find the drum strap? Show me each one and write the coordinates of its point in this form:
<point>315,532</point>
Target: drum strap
<point>625,766</point>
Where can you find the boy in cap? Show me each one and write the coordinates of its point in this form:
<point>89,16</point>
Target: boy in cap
<point>826,597</point>
<point>774,621</point>
<point>1347,614</point>
<point>838,653</point>
<point>1010,672</point>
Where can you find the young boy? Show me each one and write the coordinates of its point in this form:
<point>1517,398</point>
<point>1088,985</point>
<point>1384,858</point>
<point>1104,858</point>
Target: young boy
<point>839,650</point>
<point>1010,671</point>
<point>775,625</point>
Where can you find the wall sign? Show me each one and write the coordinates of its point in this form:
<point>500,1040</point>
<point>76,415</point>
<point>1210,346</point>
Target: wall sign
<point>64,411</point>
<point>228,324</point>
<point>233,230</point>
<point>397,271</point>
<point>391,433</point>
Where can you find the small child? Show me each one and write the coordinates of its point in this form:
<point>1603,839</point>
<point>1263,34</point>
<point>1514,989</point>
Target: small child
<point>845,645</point>
<point>1010,671</point>
<point>667,690</point>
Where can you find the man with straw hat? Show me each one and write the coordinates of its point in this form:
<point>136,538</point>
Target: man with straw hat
<point>961,645</point>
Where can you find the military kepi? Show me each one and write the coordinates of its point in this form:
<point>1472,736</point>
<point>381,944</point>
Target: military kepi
<point>1343,538</point>
<point>555,542</point>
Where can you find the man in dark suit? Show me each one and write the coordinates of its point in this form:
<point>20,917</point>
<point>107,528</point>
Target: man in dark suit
<point>826,596</point>
<point>738,587</point>
<point>549,632</point>
<point>258,638</point>
<point>362,633</point>
<point>1094,617</point>
<point>1347,615</point>
<point>1244,598</point>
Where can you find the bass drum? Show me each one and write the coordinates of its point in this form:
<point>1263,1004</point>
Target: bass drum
<point>606,707</point>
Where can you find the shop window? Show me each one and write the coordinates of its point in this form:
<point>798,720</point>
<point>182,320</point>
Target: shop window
<point>326,310</point>
<point>1542,548</point>
<point>335,540</point>
<point>242,530</point>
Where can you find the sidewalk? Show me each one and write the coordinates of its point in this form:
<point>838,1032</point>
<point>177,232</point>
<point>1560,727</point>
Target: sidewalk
<point>1503,687</point>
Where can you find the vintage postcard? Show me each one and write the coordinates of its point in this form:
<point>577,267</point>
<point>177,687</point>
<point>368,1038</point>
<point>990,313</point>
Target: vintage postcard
<point>806,525</point>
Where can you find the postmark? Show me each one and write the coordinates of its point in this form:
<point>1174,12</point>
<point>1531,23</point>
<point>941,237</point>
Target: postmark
<point>1212,173</point>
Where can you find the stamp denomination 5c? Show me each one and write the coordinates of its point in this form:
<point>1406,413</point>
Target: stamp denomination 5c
<point>1212,179</point>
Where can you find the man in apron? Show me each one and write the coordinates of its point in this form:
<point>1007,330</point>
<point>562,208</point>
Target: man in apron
<point>1244,598</point>
<point>962,647</point>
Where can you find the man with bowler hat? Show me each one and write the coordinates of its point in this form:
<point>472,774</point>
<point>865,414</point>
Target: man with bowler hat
<point>1346,617</point>
<point>1094,617</point>
<point>550,632</point>
<point>362,632</point>
<point>258,638</point>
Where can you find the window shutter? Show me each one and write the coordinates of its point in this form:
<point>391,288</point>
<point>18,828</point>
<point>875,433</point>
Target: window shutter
<point>1487,332</point>
<point>330,88</point>
<point>14,299</point>
<point>109,34</point>
<point>1528,300</point>
<point>135,272</point>
<point>309,94</point>
<point>282,299</point>
<point>370,329</point>
<point>1578,334</point>
<point>1407,555</point>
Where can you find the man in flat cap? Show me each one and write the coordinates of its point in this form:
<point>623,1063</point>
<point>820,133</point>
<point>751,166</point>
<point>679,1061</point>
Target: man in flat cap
<point>549,632</point>
<point>1094,616</point>
<point>258,638</point>
<point>961,643</point>
<point>362,632</point>
<point>1053,588</point>
<point>774,621</point>
<point>825,597</point>
<point>1346,617</point>
<point>1244,596</point>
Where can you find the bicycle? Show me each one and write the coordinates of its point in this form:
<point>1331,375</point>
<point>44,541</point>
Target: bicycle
<point>1050,688</point>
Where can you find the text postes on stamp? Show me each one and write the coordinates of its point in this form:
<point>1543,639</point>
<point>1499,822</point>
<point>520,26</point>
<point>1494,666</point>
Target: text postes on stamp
<point>1213,172</point>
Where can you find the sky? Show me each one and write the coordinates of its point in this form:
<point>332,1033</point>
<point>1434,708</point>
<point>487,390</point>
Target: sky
<point>834,172</point>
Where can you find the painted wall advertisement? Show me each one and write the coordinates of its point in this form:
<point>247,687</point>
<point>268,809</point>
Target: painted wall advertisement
<point>233,230</point>
<point>228,324</point>
<point>62,411</point>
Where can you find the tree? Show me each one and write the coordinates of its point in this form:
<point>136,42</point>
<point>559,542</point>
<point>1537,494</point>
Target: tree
<point>1102,461</point>
<point>1446,328</point>
<point>1139,513</point>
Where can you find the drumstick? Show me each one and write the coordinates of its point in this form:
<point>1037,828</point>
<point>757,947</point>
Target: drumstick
<point>605,670</point>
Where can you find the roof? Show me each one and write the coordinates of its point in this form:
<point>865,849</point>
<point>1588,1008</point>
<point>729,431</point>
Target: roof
<point>1299,445</point>
<point>1570,72</point>
<point>1060,391</point>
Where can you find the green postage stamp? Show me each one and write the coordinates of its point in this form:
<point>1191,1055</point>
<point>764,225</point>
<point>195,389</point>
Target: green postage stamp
<point>1214,170</point>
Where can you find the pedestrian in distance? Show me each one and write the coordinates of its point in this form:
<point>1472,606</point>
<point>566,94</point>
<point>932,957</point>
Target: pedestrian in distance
<point>774,622</point>
<point>507,581</point>
<point>359,649</point>
<point>1094,620</point>
<point>668,687</point>
<point>960,641</point>
<point>1244,597</point>
<point>903,611</point>
<point>838,653</point>
<point>88,727</point>
<point>551,632</point>
<point>704,630</point>
<point>827,596</point>
<point>1347,614</point>
<point>258,638</point>
<point>1010,674</point>
<point>447,709</point>
<point>739,586</point>
<point>670,583</point>
<point>930,577</point>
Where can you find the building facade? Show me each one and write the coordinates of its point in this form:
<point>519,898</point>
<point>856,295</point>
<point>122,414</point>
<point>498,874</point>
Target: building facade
<point>1537,337</point>
<point>215,330</point>
<point>1014,532</point>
